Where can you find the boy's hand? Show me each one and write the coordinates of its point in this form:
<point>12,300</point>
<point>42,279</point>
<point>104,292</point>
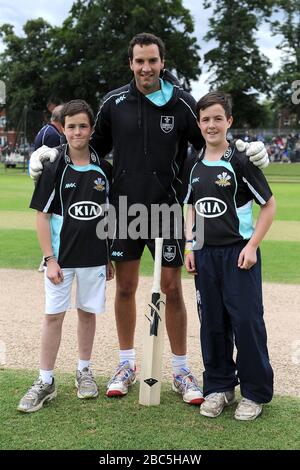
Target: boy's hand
<point>110,271</point>
<point>256,151</point>
<point>189,262</point>
<point>247,257</point>
<point>54,272</point>
<point>38,157</point>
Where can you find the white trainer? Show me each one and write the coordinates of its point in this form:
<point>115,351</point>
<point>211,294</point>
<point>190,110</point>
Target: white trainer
<point>186,384</point>
<point>215,403</point>
<point>247,410</point>
<point>123,378</point>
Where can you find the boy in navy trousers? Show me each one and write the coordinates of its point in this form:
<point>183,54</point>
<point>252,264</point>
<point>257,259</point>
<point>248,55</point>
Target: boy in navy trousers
<point>227,266</point>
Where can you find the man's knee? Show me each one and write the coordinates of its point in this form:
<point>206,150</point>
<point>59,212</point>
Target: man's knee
<point>127,276</point>
<point>126,288</point>
<point>172,289</point>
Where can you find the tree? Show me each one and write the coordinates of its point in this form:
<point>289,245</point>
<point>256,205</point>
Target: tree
<point>90,50</point>
<point>236,64</point>
<point>87,56</point>
<point>23,67</point>
<point>289,28</point>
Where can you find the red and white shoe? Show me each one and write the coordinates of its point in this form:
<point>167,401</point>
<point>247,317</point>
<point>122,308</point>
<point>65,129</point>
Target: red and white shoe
<point>186,384</point>
<point>123,378</point>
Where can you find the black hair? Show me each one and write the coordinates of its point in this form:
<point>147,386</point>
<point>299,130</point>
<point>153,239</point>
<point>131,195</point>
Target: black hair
<point>215,97</point>
<point>145,39</point>
<point>75,107</point>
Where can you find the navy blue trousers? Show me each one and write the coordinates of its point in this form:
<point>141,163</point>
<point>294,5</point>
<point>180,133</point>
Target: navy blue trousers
<point>230,310</point>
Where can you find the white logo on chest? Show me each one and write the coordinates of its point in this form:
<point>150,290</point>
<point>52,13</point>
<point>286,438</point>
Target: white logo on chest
<point>85,210</point>
<point>210,207</point>
<point>166,123</point>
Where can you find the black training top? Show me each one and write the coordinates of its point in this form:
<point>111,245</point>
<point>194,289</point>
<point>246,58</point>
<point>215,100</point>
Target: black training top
<point>149,142</point>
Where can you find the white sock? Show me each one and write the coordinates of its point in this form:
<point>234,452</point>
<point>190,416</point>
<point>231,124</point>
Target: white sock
<point>46,376</point>
<point>178,363</point>
<point>82,364</point>
<point>128,355</point>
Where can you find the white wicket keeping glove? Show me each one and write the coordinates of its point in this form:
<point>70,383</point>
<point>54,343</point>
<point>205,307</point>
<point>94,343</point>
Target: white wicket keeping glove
<point>38,157</point>
<point>256,151</point>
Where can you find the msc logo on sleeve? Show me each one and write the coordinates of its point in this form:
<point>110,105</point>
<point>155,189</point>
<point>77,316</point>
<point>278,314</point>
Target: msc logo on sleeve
<point>120,99</point>
<point>210,207</point>
<point>85,210</point>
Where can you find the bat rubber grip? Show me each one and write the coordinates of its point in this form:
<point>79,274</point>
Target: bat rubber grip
<point>157,264</point>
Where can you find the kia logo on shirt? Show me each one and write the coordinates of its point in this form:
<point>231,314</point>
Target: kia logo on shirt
<point>210,207</point>
<point>85,210</point>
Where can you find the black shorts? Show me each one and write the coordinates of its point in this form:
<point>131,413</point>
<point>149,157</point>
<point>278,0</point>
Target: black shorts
<point>130,250</point>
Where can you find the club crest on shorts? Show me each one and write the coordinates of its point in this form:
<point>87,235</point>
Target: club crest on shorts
<point>169,252</point>
<point>166,123</point>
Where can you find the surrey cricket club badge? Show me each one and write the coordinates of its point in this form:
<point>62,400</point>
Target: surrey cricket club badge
<point>166,123</point>
<point>169,252</point>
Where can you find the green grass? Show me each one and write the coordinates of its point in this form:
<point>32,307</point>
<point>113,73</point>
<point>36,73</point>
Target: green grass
<point>12,171</point>
<point>288,200</point>
<point>102,424</point>
<point>279,258</point>
<point>281,172</point>
<point>287,197</point>
<point>123,424</point>
<point>281,262</point>
<point>20,249</point>
<point>15,191</point>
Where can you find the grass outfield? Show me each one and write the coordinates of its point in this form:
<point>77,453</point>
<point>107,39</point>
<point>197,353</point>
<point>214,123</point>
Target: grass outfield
<point>121,424</point>
<point>287,200</point>
<point>281,249</point>
<point>283,172</point>
<point>280,262</point>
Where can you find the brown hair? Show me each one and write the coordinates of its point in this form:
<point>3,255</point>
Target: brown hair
<point>145,39</point>
<point>215,97</point>
<point>75,107</point>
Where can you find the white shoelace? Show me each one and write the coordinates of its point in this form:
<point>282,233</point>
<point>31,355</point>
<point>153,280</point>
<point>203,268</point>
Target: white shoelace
<point>34,389</point>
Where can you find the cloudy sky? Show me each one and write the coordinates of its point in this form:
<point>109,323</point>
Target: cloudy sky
<point>55,11</point>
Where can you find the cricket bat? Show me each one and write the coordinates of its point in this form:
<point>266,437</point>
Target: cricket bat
<point>151,368</point>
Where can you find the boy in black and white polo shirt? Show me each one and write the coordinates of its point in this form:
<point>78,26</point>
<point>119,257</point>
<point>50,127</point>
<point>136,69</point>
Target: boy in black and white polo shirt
<point>71,198</point>
<point>224,256</point>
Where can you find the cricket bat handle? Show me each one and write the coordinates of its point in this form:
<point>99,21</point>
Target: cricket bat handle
<point>157,264</point>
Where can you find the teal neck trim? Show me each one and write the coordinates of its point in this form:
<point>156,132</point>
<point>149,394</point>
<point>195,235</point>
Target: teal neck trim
<point>84,168</point>
<point>217,163</point>
<point>162,96</point>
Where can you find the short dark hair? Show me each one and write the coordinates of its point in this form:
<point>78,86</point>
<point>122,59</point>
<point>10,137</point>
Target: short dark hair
<point>215,97</point>
<point>75,107</point>
<point>145,39</point>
